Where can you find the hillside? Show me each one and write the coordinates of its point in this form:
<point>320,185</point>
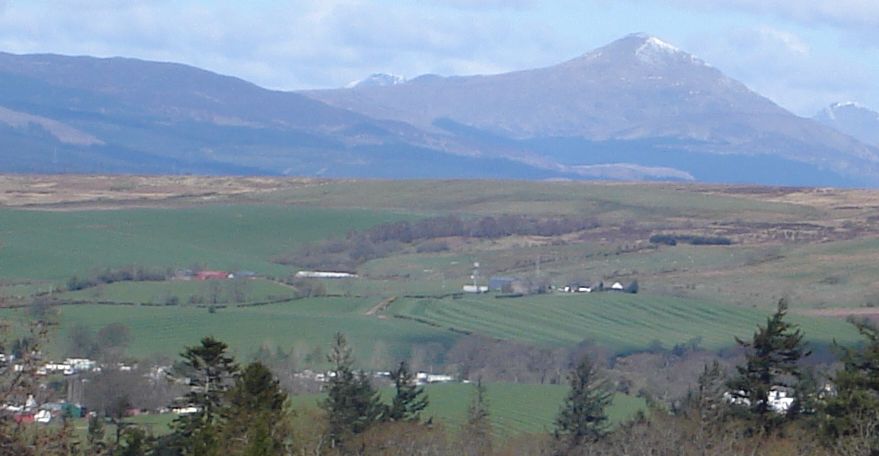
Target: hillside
<point>637,101</point>
<point>118,115</point>
<point>852,119</point>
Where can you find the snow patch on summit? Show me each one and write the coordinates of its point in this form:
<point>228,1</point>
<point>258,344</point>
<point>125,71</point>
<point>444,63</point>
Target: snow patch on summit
<point>377,80</point>
<point>655,44</point>
<point>655,50</point>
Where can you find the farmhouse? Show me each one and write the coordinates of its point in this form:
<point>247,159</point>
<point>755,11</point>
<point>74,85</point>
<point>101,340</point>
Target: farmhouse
<point>212,275</point>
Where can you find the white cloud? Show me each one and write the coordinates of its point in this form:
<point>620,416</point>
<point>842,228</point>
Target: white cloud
<point>484,4</point>
<point>781,65</point>
<point>849,16</point>
<point>303,44</point>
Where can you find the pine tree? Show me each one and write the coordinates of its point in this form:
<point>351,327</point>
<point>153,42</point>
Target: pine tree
<point>352,404</point>
<point>583,416</point>
<point>254,415</point>
<point>853,411</point>
<point>476,433</point>
<point>409,399</point>
<point>772,364</point>
<point>210,371</point>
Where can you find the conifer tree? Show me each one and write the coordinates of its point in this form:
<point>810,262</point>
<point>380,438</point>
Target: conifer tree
<point>583,416</point>
<point>476,433</point>
<point>409,399</point>
<point>254,415</point>
<point>210,371</point>
<point>853,411</point>
<point>352,404</point>
<point>772,363</point>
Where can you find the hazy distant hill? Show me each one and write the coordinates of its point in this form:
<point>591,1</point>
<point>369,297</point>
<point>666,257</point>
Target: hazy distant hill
<point>852,119</point>
<point>83,114</point>
<point>639,89</point>
<point>635,109</point>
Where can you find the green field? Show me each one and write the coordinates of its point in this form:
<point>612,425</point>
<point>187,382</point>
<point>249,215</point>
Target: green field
<point>308,323</point>
<point>622,322</point>
<point>514,408</point>
<point>255,290</point>
<point>710,293</point>
<point>43,245</point>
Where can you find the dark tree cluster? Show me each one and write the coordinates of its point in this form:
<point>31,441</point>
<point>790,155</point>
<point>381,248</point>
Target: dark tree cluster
<point>674,239</point>
<point>111,275</point>
<point>389,238</point>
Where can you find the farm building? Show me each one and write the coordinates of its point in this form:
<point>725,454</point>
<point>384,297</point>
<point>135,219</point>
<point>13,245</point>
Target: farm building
<point>474,289</point>
<point>212,275</point>
<point>502,284</point>
<point>325,275</point>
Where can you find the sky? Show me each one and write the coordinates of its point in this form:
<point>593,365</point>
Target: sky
<point>802,54</point>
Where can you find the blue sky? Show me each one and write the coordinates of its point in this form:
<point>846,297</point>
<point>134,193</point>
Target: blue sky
<point>802,54</point>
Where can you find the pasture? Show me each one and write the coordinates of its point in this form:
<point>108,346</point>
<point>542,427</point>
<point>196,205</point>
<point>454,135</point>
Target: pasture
<point>55,245</point>
<point>619,321</point>
<point>514,408</point>
<point>307,324</point>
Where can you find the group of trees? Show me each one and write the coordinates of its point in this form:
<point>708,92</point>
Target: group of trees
<point>427,235</point>
<point>123,274</point>
<point>674,239</point>
<point>739,414</point>
<point>110,341</point>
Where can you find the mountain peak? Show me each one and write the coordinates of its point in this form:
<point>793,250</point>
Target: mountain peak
<point>853,119</point>
<point>377,80</point>
<point>646,49</point>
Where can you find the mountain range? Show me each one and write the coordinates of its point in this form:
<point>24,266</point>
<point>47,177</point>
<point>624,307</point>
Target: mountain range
<point>852,119</point>
<point>638,108</point>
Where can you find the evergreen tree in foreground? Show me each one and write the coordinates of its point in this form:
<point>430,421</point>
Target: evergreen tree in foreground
<point>852,414</point>
<point>583,416</point>
<point>210,370</point>
<point>409,399</point>
<point>476,433</point>
<point>255,422</point>
<point>352,404</point>
<point>772,364</point>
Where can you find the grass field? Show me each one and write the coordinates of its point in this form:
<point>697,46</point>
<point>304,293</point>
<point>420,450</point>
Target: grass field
<point>514,408</point>
<point>687,291</point>
<point>57,245</point>
<point>309,323</point>
<point>619,321</point>
<point>255,290</point>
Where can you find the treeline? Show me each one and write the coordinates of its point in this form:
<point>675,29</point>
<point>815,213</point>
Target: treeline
<point>674,239</point>
<point>112,275</point>
<point>426,235</point>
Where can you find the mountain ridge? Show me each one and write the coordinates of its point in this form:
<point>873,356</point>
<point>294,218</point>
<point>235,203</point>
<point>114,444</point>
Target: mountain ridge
<point>638,108</point>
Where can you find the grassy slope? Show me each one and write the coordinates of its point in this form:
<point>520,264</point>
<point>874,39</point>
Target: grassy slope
<point>609,200</point>
<point>57,245</point>
<point>256,290</point>
<point>619,321</point>
<point>514,408</point>
<point>307,322</point>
